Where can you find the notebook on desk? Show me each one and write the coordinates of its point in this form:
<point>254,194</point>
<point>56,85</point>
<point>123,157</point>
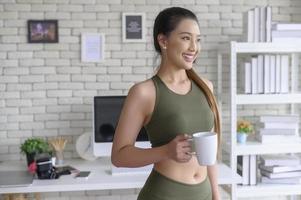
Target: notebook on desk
<point>15,178</point>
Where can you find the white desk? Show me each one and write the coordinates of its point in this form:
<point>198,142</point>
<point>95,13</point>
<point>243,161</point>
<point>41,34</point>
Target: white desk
<point>99,179</point>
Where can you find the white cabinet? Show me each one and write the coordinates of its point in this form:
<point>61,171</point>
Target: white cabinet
<point>236,49</point>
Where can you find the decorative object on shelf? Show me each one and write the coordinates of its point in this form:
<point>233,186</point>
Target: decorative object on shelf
<point>244,128</point>
<point>84,147</point>
<point>42,31</point>
<point>58,145</point>
<point>133,27</point>
<point>34,146</point>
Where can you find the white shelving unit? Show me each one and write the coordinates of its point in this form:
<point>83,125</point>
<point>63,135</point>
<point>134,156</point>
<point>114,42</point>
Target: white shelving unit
<point>234,49</point>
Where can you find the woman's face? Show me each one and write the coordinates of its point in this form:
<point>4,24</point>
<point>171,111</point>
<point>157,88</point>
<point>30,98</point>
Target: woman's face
<point>183,44</point>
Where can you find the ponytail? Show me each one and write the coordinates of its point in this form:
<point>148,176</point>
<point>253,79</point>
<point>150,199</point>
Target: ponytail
<point>211,101</point>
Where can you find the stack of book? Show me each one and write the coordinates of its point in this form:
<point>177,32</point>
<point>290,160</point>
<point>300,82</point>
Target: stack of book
<point>280,169</point>
<point>257,24</point>
<point>286,33</point>
<point>278,129</point>
<point>266,74</point>
<point>247,169</point>
<point>258,27</point>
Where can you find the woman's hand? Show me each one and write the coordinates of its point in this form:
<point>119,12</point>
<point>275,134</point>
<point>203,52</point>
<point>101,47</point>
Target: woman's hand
<point>179,149</point>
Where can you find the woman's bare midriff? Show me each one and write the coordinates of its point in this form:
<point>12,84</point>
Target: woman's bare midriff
<point>189,173</point>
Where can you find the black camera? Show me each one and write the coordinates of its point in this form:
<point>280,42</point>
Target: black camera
<point>45,169</point>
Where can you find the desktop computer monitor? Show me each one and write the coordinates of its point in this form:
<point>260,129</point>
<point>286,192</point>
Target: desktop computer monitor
<point>106,112</point>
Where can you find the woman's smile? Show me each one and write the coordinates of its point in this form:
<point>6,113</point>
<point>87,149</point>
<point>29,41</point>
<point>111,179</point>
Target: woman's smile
<point>188,57</point>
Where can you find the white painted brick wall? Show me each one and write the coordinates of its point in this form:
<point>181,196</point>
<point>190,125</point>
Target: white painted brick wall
<point>58,108</point>
<point>31,62</point>
<point>9,63</point>
<point>46,91</point>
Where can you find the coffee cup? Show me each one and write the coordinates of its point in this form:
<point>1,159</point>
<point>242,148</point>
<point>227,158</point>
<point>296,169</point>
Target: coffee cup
<point>205,146</point>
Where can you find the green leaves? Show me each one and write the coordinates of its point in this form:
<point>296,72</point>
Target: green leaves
<point>35,145</point>
<point>244,126</point>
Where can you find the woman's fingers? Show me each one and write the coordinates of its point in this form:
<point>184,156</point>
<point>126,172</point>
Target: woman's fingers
<point>179,148</point>
<point>186,157</point>
<point>186,149</point>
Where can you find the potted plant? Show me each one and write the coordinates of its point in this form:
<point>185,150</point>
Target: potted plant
<point>244,128</point>
<point>34,146</point>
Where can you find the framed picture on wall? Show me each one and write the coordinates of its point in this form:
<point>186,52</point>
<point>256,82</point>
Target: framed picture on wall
<point>133,27</point>
<point>42,31</point>
<point>93,47</point>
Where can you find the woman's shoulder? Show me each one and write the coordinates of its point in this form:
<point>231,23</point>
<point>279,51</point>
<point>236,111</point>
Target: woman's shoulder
<point>144,90</point>
<point>143,87</point>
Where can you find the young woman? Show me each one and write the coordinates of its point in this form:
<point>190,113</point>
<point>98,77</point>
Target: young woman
<point>171,106</point>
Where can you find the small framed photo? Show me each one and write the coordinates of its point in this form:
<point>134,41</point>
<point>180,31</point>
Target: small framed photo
<point>93,47</point>
<point>133,27</point>
<point>42,31</point>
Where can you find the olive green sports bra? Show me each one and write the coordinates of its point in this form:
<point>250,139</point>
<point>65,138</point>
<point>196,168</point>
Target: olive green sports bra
<point>176,114</point>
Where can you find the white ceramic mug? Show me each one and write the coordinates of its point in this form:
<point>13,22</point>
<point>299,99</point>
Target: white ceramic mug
<point>205,146</point>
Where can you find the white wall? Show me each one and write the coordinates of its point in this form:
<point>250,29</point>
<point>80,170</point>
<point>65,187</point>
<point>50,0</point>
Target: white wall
<point>45,90</point>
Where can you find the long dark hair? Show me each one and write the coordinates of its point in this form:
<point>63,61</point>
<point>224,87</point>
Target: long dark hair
<point>167,21</point>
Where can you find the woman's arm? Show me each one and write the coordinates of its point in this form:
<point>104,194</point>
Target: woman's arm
<point>213,174</point>
<point>212,170</point>
<point>138,105</point>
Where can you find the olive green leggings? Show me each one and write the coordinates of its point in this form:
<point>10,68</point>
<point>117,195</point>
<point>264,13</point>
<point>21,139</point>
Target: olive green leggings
<point>159,187</point>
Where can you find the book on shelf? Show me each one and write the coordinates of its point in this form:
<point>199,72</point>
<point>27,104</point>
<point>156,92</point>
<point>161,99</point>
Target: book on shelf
<point>278,73</point>
<point>274,139</point>
<point>272,73</point>
<point>262,24</point>
<point>280,175</point>
<point>286,27</point>
<point>286,35</point>
<point>254,75</point>
<point>293,33</point>
<point>253,169</point>
<point>247,78</point>
<point>279,169</point>
<point>260,74</point>
<point>243,168</point>
<point>248,25</point>
<point>292,118</point>
<point>280,160</point>
<point>267,74</point>
<point>293,180</point>
<point>256,24</point>
<point>284,79</point>
<point>268,24</point>
<point>277,131</point>
<point>280,125</point>
<point>287,39</point>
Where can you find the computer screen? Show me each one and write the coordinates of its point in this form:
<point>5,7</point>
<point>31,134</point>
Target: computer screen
<point>106,112</point>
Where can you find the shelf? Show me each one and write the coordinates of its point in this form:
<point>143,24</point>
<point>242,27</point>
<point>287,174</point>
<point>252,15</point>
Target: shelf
<point>266,47</point>
<point>233,51</point>
<point>253,147</point>
<point>267,98</point>
<point>261,189</point>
